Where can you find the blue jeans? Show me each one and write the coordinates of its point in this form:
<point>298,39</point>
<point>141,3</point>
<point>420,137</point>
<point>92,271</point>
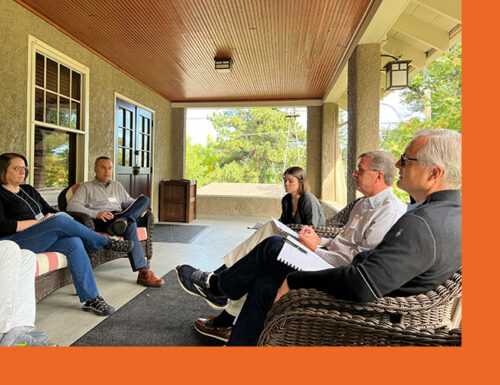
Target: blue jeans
<point>69,237</point>
<point>259,274</point>
<point>132,214</point>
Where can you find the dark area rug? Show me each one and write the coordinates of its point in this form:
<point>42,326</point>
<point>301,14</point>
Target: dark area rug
<point>177,233</point>
<point>157,317</point>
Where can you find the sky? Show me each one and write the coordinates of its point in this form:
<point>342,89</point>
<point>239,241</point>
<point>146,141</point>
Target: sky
<point>198,127</point>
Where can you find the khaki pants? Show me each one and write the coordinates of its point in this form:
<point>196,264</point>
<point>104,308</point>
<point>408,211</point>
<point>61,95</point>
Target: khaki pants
<point>269,229</point>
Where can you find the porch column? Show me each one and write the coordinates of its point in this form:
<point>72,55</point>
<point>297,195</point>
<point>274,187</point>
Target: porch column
<point>363,101</point>
<point>332,174</point>
<point>314,149</point>
<point>178,144</point>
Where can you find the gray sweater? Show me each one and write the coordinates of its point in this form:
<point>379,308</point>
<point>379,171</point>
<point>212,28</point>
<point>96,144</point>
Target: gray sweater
<point>93,196</point>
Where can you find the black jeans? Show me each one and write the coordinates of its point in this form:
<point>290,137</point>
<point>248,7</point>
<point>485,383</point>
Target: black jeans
<point>260,275</point>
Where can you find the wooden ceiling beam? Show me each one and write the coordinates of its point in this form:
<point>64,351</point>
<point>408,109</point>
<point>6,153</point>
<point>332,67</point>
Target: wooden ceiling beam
<point>423,32</point>
<point>397,48</point>
<point>451,9</point>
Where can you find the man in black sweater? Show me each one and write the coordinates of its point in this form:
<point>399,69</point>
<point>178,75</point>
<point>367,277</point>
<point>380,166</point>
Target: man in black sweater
<point>420,252</point>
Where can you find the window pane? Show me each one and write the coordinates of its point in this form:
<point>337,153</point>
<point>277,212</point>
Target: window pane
<point>40,64</point>
<point>51,75</point>
<point>139,142</point>
<point>75,115</point>
<point>120,156</point>
<point>39,104</point>
<point>75,85</point>
<point>64,73</point>
<point>139,124</point>
<point>63,112</point>
<point>54,155</point>
<point>51,108</point>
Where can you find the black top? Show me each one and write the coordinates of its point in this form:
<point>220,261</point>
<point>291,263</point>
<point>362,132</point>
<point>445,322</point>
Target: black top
<point>421,251</point>
<point>20,207</point>
<point>309,211</point>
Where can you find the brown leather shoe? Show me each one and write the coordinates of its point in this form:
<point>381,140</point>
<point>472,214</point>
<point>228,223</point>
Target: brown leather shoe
<point>147,278</point>
<point>204,326</point>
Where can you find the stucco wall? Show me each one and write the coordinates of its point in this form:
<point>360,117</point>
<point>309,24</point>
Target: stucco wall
<point>16,23</point>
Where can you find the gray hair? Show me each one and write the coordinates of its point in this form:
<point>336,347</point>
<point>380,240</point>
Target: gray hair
<point>444,148</point>
<point>382,161</point>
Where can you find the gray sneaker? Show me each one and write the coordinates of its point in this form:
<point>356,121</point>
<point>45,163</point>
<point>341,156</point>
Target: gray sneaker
<point>195,282</point>
<point>120,246</point>
<point>24,339</point>
<point>38,336</point>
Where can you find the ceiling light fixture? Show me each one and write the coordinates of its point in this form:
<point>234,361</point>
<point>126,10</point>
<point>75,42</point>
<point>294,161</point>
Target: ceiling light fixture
<point>223,65</point>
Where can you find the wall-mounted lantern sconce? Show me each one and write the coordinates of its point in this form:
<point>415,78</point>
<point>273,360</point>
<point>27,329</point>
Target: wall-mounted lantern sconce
<point>396,73</point>
<point>223,65</point>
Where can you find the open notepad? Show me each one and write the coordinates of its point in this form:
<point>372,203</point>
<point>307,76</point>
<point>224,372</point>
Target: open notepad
<point>296,255</point>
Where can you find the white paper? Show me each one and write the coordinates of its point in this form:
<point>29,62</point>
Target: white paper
<point>285,229</point>
<point>294,257</point>
<point>257,226</point>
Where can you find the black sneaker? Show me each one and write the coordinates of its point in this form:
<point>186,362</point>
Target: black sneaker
<point>195,282</point>
<point>98,306</point>
<point>121,246</point>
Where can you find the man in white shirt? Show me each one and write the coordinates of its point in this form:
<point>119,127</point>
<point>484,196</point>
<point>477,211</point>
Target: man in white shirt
<point>369,221</point>
<point>115,212</point>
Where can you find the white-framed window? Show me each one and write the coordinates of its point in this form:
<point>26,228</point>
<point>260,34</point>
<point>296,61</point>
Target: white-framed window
<point>57,140</point>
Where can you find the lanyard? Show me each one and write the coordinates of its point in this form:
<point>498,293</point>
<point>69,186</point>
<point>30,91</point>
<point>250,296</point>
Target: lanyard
<point>37,216</point>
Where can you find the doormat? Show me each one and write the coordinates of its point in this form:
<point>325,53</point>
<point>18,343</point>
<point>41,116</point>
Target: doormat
<point>177,233</point>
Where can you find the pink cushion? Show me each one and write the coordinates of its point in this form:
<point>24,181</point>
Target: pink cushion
<point>142,233</point>
<point>49,261</point>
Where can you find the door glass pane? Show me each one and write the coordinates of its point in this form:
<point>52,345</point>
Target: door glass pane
<point>120,137</point>
<point>51,108</point>
<point>119,117</point>
<point>139,124</point>
<point>64,75</point>
<point>128,119</point>
<point>52,75</point>
<point>139,141</point>
<point>75,85</point>
<point>63,112</point>
<point>120,156</point>
<point>39,105</point>
<point>40,65</point>
<point>75,115</point>
<point>127,158</point>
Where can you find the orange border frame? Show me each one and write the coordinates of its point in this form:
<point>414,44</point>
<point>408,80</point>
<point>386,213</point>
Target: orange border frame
<point>313,365</point>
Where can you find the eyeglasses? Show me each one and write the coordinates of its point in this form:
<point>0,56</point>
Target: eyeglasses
<point>20,169</point>
<point>404,158</point>
<point>360,170</point>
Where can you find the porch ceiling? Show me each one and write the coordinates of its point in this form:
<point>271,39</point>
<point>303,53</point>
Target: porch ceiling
<point>281,49</point>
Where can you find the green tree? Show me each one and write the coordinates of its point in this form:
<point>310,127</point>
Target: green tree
<point>249,147</point>
<point>443,78</point>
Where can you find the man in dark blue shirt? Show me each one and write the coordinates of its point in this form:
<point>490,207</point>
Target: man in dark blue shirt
<point>420,252</point>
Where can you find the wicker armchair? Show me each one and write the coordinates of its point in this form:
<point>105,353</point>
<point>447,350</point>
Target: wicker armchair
<point>333,224</point>
<point>53,280</point>
<point>307,317</point>
<point>104,255</point>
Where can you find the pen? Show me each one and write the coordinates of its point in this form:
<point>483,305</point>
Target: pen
<point>294,245</point>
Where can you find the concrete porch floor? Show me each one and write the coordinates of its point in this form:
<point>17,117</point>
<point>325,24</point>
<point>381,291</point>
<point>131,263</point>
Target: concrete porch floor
<point>60,314</point>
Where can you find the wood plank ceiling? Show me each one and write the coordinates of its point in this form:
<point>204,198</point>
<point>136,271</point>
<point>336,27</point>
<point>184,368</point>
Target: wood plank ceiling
<point>281,49</point>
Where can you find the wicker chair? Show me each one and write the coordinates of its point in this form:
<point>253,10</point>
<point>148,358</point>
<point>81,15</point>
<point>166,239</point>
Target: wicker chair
<point>333,224</point>
<point>104,255</point>
<point>47,283</point>
<point>307,317</point>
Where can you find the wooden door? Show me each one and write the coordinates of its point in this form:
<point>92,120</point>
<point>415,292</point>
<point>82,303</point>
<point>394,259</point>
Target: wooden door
<point>134,131</point>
